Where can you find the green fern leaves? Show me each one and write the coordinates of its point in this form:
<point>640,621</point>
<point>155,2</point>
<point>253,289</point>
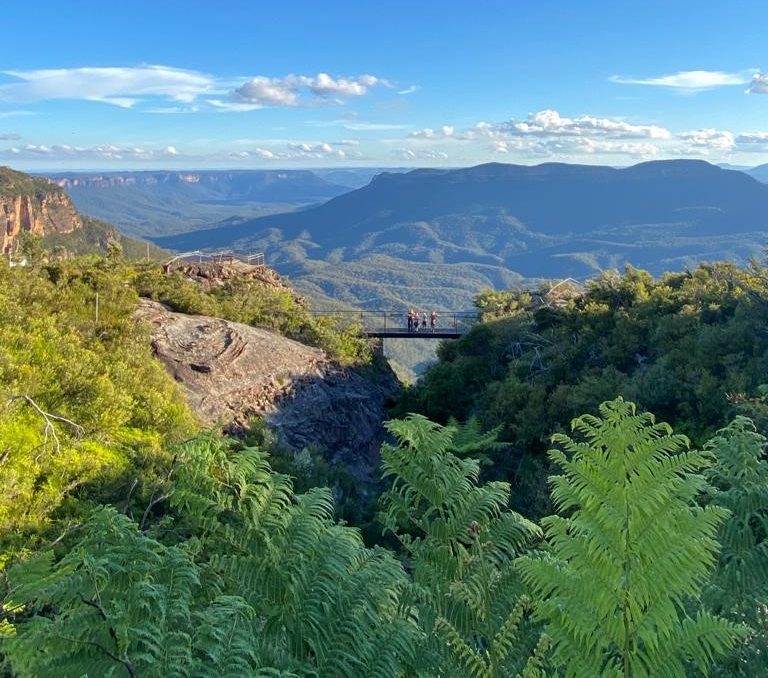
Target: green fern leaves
<point>631,550</point>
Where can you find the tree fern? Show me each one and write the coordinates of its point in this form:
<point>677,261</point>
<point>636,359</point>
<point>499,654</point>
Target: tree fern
<point>257,581</point>
<point>629,550</point>
<point>460,541</point>
<point>739,590</point>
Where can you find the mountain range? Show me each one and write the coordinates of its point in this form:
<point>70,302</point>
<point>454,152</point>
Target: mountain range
<point>434,233</point>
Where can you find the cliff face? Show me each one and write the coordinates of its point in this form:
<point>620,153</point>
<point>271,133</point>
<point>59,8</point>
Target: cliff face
<point>34,206</point>
<point>232,372</point>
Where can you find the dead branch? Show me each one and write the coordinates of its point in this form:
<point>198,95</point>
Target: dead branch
<point>49,419</point>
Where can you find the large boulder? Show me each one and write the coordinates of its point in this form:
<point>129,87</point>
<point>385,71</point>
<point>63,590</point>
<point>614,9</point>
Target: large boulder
<point>233,372</point>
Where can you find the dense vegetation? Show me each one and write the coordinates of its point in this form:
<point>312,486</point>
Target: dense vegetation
<point>690,347</point>
<point>135,545</point>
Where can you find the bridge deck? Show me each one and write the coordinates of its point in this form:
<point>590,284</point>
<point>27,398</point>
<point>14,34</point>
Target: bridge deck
<point>403,333</point>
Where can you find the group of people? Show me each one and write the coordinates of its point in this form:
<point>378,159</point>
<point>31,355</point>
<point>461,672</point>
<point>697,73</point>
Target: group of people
<point>414,319</point>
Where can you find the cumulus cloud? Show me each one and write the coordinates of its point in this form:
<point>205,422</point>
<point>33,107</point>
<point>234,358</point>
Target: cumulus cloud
<point>759,84</point>
<point>288,90</point>
<point>121,86</point>
<point>301,150</point>
<point>551,123</point>
<point>549,134</point>
<point>708,141</point>
<point>691,81</point>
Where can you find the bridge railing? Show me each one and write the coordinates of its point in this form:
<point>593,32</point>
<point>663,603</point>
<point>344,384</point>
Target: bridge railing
<point>377,321</point>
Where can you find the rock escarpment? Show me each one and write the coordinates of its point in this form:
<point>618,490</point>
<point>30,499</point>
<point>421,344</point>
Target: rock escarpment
<point>33,206</point>
<point>232,372</point>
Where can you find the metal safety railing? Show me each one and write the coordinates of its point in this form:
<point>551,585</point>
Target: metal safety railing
<point>218,257</point>
<point>457,322</point>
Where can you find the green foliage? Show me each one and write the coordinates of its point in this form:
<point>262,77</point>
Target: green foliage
<point>690,347</point>
<point>254,578</point>
<point>57,363</point>
<point>96,237</point>
<point>460,540</point>
<point>628,551</point>
<point>739,588</point>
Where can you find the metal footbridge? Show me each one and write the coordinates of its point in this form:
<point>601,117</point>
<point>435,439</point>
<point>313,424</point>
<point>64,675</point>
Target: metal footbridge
<point>394,324</point>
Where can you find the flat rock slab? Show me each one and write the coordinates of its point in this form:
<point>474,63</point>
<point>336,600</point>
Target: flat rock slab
<point>233,372</point>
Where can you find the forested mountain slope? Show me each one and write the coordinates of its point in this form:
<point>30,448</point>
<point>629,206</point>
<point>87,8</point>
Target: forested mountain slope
<point>535,220</point>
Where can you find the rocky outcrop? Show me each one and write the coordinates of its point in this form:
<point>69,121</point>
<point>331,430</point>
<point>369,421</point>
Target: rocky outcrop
<point>217,271</point>
<point>33,206</point>
<point>232,372</point>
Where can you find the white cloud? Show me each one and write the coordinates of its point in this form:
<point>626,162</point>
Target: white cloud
<point>409,90</point>
<point>128,87</point>
<point>359,126</point>
<point>419,154</point>
<point>120,86</point>
<point>287,91</point>
<point>301,150</point>
<point>759,84</point>
<point>692,81</point>
<point>108,152</point>
<point>9,136</point>
<point>232,106</point>
<point>444,132</point>
<point>551,123</point>
<point>752,138</point>
<point>708,141</point>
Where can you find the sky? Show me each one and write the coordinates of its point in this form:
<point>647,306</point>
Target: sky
<point>289,84</point>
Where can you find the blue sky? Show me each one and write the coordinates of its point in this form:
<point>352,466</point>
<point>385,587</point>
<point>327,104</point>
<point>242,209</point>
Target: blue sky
<point>308,84</point>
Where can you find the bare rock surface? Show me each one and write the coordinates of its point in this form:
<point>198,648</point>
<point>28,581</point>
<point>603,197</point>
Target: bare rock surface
<point>232,372</point>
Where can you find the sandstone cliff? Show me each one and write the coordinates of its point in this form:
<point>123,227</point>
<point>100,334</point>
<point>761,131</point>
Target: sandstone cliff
<point>232,372</point>
<point>34,206</point>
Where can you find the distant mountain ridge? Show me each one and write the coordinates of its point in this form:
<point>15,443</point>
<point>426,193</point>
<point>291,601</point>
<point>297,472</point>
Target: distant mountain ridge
<point>161,202</point>
<point>760,172</point>
<point>263,185</point>
<point>550,220</point>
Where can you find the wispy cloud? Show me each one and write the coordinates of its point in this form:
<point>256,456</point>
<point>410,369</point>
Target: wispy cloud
<point>109,152</point>
<point>408,154</point>
<point>122,87</point>
<point>127,87</point>
<point>409,90</point>
<point>361,126</point>
<point>690,81</point>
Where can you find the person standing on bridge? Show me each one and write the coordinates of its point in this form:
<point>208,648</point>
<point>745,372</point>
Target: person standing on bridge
<point>410,320</point>
<point>424,321</point>
<point>432,321</point>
